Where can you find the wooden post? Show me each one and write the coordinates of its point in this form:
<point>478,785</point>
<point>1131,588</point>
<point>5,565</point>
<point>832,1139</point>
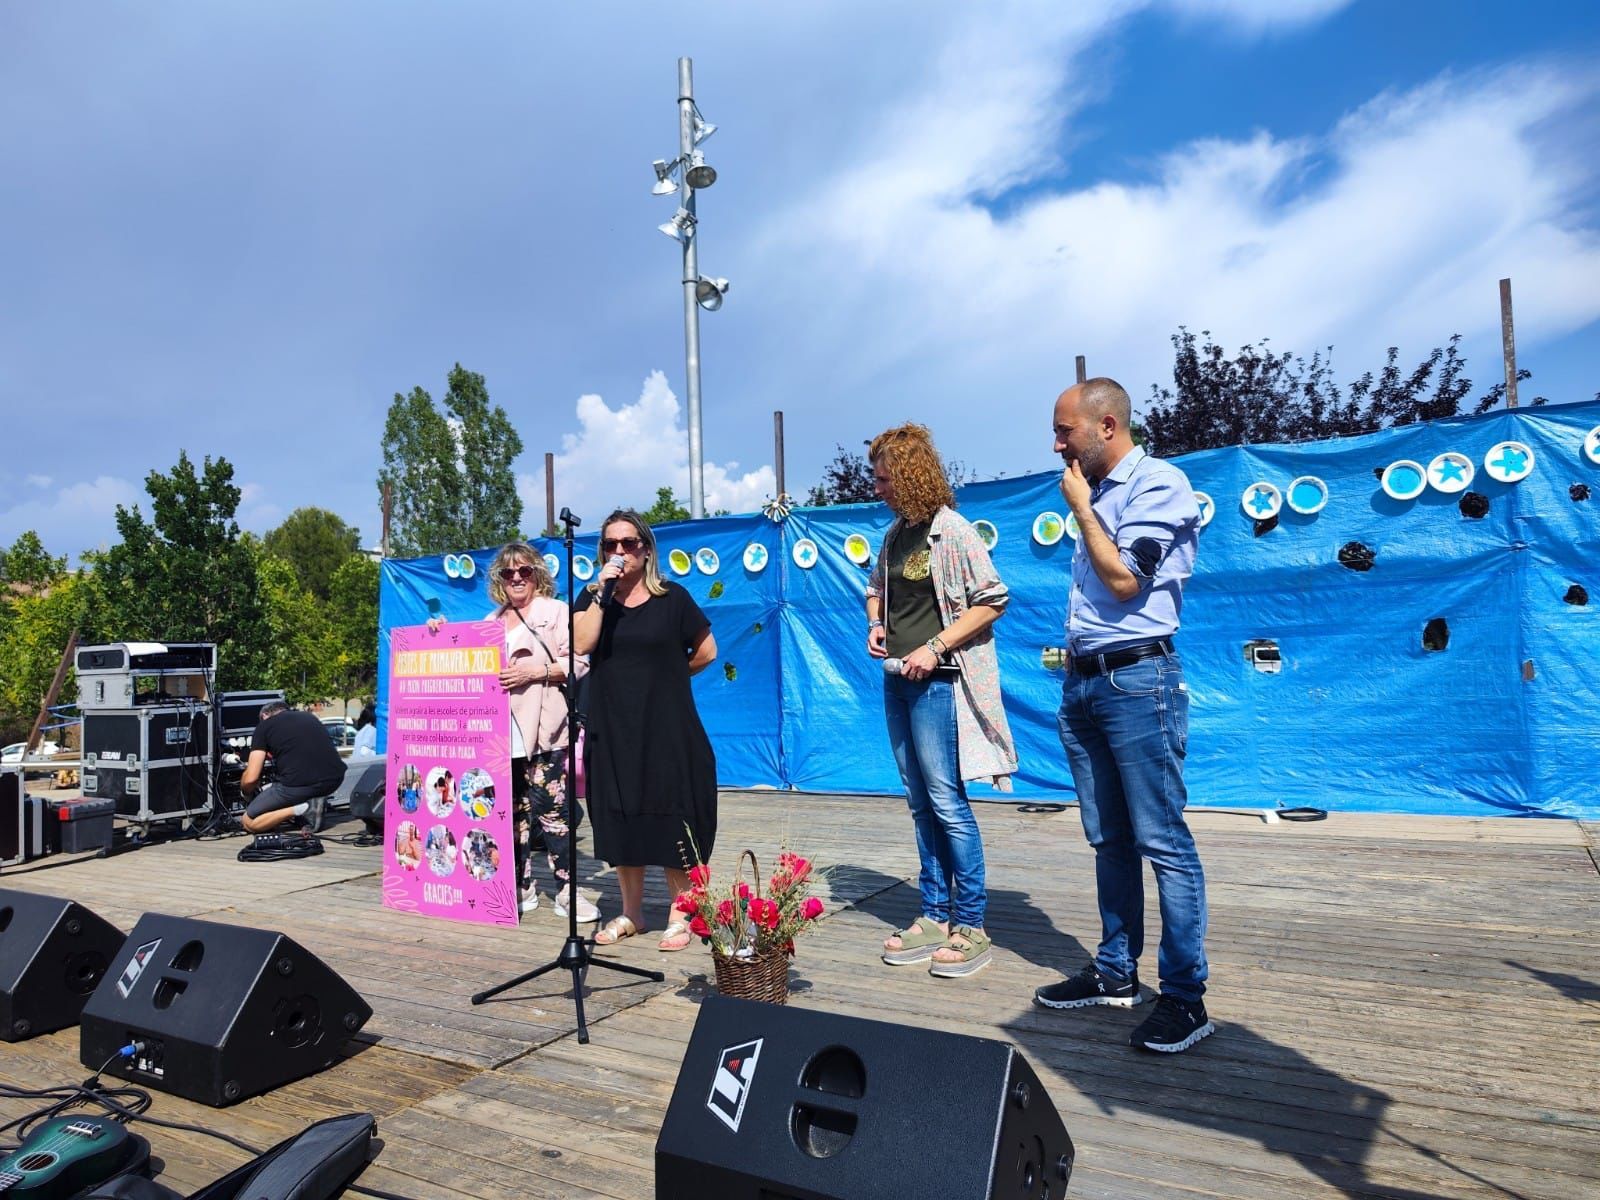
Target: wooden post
<point>549,494</point>
<point>388,502</point>
<point>52,692</point>
<point>1083,369</point>
<point>1508,343</point>
<point>777,448</point>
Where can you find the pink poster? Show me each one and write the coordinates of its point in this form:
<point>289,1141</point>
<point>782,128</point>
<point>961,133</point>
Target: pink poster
<point>447,817</point>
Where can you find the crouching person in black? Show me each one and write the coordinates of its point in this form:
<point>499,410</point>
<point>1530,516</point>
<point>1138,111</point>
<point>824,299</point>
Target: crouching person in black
<point>306,769</point>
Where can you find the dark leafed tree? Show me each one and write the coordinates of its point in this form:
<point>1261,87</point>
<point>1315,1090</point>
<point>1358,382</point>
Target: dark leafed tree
<point>353,613</point>
<point>315,542</point>
<point>666,508</point>
<point>1258,396</point>
<point>848,479</point>
<point>450,472</point>
<point>187,574</point>
<point>27,565</point>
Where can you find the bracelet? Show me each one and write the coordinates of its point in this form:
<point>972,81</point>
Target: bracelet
<point>875,623</point>
<point>936,644</point>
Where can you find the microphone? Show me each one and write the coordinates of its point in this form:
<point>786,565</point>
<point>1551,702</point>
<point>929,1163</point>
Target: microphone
<point>610,585</point>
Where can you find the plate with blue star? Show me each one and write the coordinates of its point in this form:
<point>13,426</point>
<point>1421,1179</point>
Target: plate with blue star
<point>1208,507</point>
<point>804,554</point>
<point>1261,501</point>
<point>755,558</point>
<point>1451,472</point>
<point>1509,462</point>
<point>1591,445</point>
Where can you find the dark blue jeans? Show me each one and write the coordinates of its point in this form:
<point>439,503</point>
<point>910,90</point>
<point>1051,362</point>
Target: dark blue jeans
<point>921,716</point>
<point>1125,734</point>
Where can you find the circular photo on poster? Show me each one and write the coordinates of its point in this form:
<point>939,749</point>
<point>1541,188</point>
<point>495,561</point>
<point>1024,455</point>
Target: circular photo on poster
<point>440,851</point>
<point>440,791</point>
<point>482,855</point>
<point>408,845</point>
<point>408,789</point>
<point>477,793</point>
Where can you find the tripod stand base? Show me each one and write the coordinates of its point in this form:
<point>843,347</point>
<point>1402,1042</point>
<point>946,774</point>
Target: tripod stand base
<point>574,957</point>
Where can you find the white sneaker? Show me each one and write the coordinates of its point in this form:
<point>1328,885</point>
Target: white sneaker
<point>588,914</point>
<point>530,902</point>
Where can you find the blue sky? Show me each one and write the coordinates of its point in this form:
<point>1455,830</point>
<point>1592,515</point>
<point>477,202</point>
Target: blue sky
<point>239,229</point>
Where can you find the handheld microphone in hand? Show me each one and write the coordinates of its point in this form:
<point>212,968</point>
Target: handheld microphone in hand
<point>610,585</point>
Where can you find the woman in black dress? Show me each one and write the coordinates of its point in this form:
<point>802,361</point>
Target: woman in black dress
<point>650,770</point>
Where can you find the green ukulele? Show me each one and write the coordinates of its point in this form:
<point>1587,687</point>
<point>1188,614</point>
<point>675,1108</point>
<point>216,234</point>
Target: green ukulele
<point>63,1156</point>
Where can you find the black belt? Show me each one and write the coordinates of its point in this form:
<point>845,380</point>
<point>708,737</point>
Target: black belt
<point>1100,664</point>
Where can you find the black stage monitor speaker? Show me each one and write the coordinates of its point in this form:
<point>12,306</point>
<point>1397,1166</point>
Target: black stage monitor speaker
<point>219,1012</point>
<point>53,953</point>
<point>367,793</point>
<point>781,1103</point>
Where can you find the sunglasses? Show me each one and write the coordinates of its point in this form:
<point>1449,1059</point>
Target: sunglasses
<point>626,545</point>
<point>508,574</point>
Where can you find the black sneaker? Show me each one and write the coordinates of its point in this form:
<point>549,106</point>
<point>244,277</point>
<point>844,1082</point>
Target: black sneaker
<point>1090,986</point>
<point>1175,1025</point>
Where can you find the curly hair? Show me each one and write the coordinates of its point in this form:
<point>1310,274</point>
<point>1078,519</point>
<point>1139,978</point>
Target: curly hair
<point>907,455</point>
<point>519,554</point>
<point>653,582</point>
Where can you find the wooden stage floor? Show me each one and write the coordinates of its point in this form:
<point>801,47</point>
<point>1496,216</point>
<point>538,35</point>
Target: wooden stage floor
<point>1405,1007</point>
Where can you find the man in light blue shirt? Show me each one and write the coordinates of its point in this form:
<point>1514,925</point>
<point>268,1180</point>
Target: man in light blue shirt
<point>1124,719</point>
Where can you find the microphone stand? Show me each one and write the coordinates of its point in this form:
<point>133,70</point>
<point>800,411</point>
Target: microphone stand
<point>575,953</point>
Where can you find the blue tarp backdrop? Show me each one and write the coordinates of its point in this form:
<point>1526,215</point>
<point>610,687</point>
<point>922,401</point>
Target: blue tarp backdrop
<point>1361,716</point>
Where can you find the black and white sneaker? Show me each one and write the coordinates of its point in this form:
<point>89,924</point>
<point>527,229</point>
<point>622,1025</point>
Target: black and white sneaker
<point>1175,1025</point>
<point>1090,986</point>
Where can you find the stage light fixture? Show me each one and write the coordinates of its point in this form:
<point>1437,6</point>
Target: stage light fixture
<point>681,227</point>
<point>708,293</point>
<point>664,185</point>
<point>700,174</point>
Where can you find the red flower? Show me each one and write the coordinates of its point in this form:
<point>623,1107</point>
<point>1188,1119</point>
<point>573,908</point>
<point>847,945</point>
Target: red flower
<point>743,891</point>
<point>797,867</point>
<point>698,927</point>
<point>765,913</point>
<point>700,875</point>
<point>725,913</point>
<point>811,909</point>
<point>686,903</point>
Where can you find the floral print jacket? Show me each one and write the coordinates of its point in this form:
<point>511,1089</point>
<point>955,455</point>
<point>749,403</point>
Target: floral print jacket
<point>962,577</point>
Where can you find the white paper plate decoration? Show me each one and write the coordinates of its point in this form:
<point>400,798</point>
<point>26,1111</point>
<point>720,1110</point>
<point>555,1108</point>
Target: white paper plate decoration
<point>680,562</point>
<point>805,554</point>
<point>1048,528</point>
<point>1591,445</point>
<point>857,549</point>
<point>452,566</point>
<point>1451,472</point>
<point>467,567</point>
<point>986,532</point>
<point>1072,526</point>
<point>1404,479</point>
<point>1261,501</point>
<point>1208,507</point>
<point>582,567</point>
<point>1307,495</point>
<point>1509,462</point>
<point>755,558</point>
<point>553,565</point>
<point>706,560</point>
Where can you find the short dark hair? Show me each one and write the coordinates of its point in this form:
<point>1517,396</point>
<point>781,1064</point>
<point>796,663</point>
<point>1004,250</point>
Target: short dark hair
<point>1103,394</point>
<point>271,708</point>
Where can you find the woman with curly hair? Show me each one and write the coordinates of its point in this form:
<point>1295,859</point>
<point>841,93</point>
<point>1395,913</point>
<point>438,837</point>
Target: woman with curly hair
<point>931,601</point>
<point>650,769</point>
<point>535,625</point>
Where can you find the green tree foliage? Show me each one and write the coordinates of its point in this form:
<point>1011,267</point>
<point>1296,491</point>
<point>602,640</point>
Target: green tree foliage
<point>315,542</point>
<point>187,574</point>
<point>27,564</point>
<point>33,633</point>
<point>666,508</point>
<point>848,479</point>
<point>302,650</point>
<point>1259,396</point>
<point>353,615</point>
<point>450,472</point>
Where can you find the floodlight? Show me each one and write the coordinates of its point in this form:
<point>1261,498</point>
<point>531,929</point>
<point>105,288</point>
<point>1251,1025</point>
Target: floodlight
<point>681,227</point>
<point>708,293</point>
<point>664,185</point>
<point>702,127</point>
<point>699,174</point>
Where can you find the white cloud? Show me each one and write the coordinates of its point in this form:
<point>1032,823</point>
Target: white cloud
<point>74,518</point>
<point>620,457</point>
<point>40,481</point>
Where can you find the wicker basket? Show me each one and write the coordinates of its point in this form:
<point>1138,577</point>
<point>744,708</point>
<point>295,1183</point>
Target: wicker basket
<point>764,975</point>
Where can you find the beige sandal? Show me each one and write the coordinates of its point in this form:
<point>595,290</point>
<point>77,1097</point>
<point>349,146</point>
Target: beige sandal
<point>614,930</point>
<point>676,930</point>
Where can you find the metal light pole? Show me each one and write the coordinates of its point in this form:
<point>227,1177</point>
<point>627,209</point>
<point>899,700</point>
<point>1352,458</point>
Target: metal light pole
<point>691,281</point>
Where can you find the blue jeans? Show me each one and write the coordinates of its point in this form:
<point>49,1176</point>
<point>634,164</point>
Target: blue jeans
<point>1125,734</point>
<point>921,715</point>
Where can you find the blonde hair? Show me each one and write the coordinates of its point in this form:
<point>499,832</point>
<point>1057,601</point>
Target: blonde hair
<point>516,554</point>
<point>907,455</point>
<point>653,583</point>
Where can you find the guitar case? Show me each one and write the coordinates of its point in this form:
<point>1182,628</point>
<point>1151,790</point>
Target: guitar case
<point>314,1164</point>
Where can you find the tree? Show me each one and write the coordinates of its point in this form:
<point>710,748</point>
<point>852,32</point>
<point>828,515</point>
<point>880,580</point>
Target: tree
<point>314,542</point>
<point>666,508</point>
<point>848,479</point>
<point>27,564</point>
<point>301,656</point>
<point>187,575</point>
<point>453,486</point>
<point>353,615</point>
<point>34,634</point>
<point>1260,396</point>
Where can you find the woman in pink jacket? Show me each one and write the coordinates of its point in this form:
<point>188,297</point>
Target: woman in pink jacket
<point>535,624</point>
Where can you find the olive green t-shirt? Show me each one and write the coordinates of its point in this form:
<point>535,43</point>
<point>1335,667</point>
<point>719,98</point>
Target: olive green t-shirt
<point>913,609</point>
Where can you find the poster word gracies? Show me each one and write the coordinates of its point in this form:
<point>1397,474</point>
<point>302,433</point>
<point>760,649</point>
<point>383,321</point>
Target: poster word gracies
<point>447,815</point>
